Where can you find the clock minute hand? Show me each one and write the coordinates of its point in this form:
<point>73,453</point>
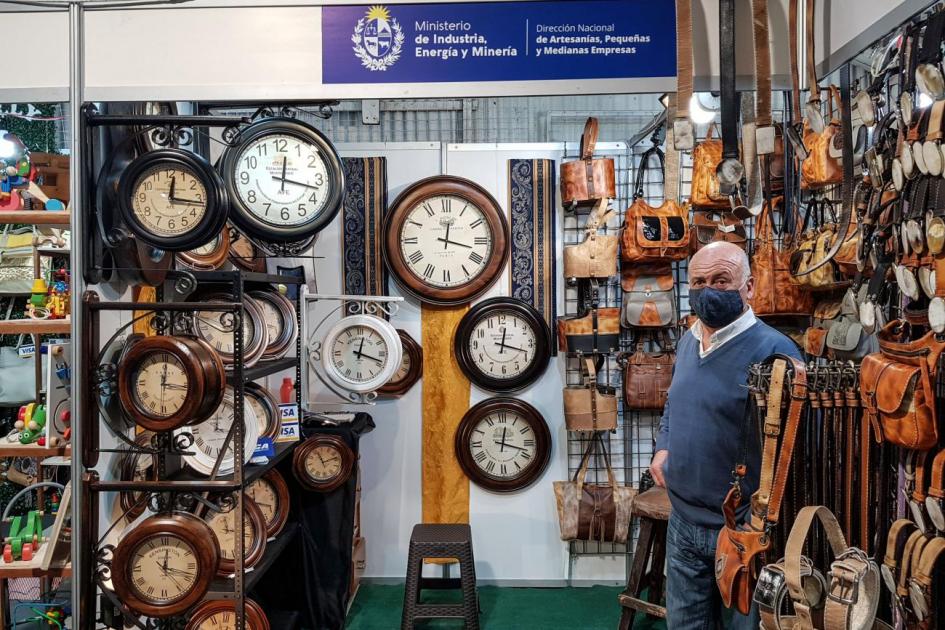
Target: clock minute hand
<point>292,181</point>
<point>517,448</point>
<point>449,242</point>
<point>285,161</point>
<point>503,345</point>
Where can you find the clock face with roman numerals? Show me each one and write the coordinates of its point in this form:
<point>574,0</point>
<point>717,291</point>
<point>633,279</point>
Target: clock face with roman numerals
<point>503,444</point>
<point>446,239</point>
<point>361,352</point>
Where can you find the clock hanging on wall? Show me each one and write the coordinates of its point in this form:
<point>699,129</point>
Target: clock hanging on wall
<point>502,344</point>
<point>410,369</point>
<point>446,240</point>
<point>323,462</point>
<point>361,353</point>
<point>284,179</point>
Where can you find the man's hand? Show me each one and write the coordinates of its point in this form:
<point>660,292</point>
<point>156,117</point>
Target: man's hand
<point>656,467</point>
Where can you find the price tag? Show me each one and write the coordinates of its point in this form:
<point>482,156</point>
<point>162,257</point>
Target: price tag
<point>290,424</point>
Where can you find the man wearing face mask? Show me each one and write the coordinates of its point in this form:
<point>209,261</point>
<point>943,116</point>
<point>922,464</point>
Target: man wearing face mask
<point>700,432</point>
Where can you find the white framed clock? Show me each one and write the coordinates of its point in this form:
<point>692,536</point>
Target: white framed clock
<point>361,353</point>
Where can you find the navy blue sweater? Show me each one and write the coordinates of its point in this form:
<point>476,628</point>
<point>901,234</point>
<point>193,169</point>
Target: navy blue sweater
<point>702,425</point>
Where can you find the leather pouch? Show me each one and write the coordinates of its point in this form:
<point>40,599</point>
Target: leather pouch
<point>590,407</point>
<point>713,226</point>
<point>647,377</point>
<point>847,341</point>
<point>815,341</point>
<point>737,557</point>
<point>597,332</point>
<point>821,169</point>
<point>589,179</point>
<point>596,257</point>
<point>649,297</point>
<point>898,400</point>
<point>706,157</point>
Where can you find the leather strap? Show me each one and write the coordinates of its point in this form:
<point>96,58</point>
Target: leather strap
<point>671,159</point>
<point>812,85</point>
<point>922,578</point>
<point>795,409</point>
<point>937,485</point>
<point>683,58</point>
<point>590,382</point>
<point>771,432</point>
<point>589,138</point>
<point>654,150</point>
<point>922,464</point>
<point>899,533</point>
<point>727,79</point>
<point>916,540</point>
<point>759,10</point>
<point>794,549</point>
<point>795,70</point>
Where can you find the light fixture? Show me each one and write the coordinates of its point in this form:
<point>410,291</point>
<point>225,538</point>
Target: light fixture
<point>664,100</point>
<point>697,113</point>
<point>924,100</point>
<point>7,146</point>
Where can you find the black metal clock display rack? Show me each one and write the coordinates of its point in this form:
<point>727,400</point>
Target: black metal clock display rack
<point>175,488</point>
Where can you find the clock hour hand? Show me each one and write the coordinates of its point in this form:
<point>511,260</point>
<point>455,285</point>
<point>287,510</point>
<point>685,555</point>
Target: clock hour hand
<point>517,448</point>
<point>502,343</point>
<point>179,200</point>
<point>292,181</point>
<point>170,193</point>
<point>285,160</point>
<point>449,242</point>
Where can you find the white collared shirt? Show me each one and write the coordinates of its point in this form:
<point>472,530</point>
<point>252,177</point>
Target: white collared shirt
<point>723,335</point>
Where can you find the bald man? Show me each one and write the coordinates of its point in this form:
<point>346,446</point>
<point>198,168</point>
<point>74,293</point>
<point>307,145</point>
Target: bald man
<point>701,431</point>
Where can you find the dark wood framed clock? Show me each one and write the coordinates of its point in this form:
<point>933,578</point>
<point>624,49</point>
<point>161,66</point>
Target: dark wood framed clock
<point>209,256</point>
<point>226,528</point>
<point>221,615</point>
<point>165,565</point>
<point>502,344</point>
<point>137,466</point>
<point>165,382</point>
<point>446,240</point>
<point>503,444</point>
<point>284,179</point>
<point>271,494</point>
<point>172,199</point>
<point>323,462</point>
<point>410,369</point>
<point>266,409</point>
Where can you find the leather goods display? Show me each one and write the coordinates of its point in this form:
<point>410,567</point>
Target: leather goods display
<point>826,313</point>
<point>775,294</point>
<point>706,157</point>
<point>897,387</point>
<point>822,168</point>
<point>654,234</point>
<point>730,172</point>
<point>769,140</point>
<point>590,406</point>
<point>594,512</point>
<point>648,375</point>
<point>712,226</point>
<point>739,545</point>
<point>596,332</point>
<point>935,501</point>
<point>649,296</point>
<point>589,179</point>
<point>596,257</point>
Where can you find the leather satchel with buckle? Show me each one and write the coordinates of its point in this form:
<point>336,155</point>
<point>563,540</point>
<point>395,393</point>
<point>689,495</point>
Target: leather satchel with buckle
<point>590,406</point>
<point>596,257</point>
<point>589,179</point>
<point>648,375</point>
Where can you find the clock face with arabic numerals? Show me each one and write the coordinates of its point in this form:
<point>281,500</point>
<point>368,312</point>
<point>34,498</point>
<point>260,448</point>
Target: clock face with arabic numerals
<point>446,240</point>
<point>503,444</point>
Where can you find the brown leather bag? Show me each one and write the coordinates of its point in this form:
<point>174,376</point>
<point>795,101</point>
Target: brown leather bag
<point>706,157</point>
<point>647,376</point>
<point>821,169</point>
<point>593,512</point>
<point>589,179</point>
<point>897,387</point>
<point>590,406</point>
<point>649,296</point>
<point>597,331</point>
<point>775,294</point>
<point>596,257</point>
<point>711,226</point>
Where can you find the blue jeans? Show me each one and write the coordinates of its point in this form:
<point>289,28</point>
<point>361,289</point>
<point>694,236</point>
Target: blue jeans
<point>693,601</point>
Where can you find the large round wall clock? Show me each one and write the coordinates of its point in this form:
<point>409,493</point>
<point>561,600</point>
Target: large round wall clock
<point>226,528</point>
<point>284,179</point>
<point>165,382</point>
<point>266,409</point>
<point>279,316</point>
<point>209,256</point>
<point>503,444</point>
<point>221,615</point>
<point>165,565</point>
<point>172,199</point>
<point>210,436</point>
<point>271,494</point>
<point>502,344</point>
<point>217,327</point>
<point>323,462</point>
<point>410,369</point>
<point>361,352</point>
<point>446,240</point>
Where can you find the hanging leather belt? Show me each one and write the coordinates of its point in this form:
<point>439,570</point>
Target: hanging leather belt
<point>793,132</point>
<point>935,501</point>
<point>917,462</point>
<point>899,533</point>
<point>921,582</point>
<point>730,171</point>
<point>684,138</point>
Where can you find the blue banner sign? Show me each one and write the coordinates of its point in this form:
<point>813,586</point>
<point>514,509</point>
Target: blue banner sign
<point>498,41</point>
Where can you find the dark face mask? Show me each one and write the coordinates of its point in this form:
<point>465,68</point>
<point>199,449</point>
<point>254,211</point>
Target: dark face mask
<point>716,308</point>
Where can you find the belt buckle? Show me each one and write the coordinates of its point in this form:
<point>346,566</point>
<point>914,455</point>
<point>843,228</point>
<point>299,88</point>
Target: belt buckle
<point>770,583</point>
<point>846,578</point>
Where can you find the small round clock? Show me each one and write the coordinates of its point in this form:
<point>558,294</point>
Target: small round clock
<point>226,528</point>
<point>221,615</point>
<point>446,240</point>
<point>209,256</point>
<point>271,494</point>
<point>503,444</point>
<point>217,327</point>
<point>361,352</point>
<point>137,466</point>
<point>172,199</point>
<point>502,344</point>
<point>410,369</point>
<point>165,565</point>
<point>244,253</point>
<point>280,319</point>
<point>165,382</point>
<point>323,462</point>
<point>285,180</point>
<point>266,409</point>
<point>210,436</point>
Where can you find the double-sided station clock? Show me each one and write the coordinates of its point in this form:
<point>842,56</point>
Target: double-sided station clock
<point>446,240</point>
<point>361,353</point>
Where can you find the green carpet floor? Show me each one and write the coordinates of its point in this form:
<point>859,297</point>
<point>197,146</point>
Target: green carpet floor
<point>379,607</point>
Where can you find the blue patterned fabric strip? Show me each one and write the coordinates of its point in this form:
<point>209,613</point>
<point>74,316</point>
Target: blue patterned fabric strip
<point>365,203</point>
<point>532,223</point>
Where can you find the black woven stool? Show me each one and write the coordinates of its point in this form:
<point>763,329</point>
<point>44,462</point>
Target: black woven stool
<point>440,541</point>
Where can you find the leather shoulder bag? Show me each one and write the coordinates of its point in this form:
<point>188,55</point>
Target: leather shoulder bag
<point>649,296</point>
<point>775,294</point>
<point>589,179</point>
<point>711,226</point>
<point>596,257</point>
<point>648,375</point>
<point>590,406</point>
<point>706,157</point>
<point>595,332</point>
<point>821,168</point>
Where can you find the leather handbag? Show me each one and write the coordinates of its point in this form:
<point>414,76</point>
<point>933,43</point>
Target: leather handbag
<point>590,406</point>
<point>594,512</point>
<point>810,265</point>
<point>775,294</point>
<point>847,339</point>
<point>706,157</point>
<point>654,234</point>
<point>711,226</point>
<point>649,296</point>
<point>595,332</point>
<point>647,376</point>
<point>596,257</point>
<point>826,312</point>
<point>897,387</point>
<point>821,168</point>
<point>589,179</point>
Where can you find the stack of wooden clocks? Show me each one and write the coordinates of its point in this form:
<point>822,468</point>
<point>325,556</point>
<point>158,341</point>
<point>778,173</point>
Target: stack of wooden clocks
<point>446,243</point>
